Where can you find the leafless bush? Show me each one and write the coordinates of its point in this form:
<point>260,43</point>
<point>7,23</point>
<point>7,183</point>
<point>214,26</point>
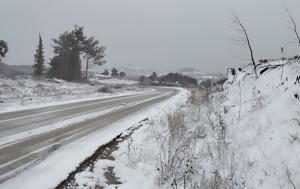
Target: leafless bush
<point>118,86</point>
<point>221,178</point>
<point>21,84</point>
<point>133,152</point>
<point>193,97</point>
<point>176,152</point>
<point>294,138</point>
<point>105,89</point>
<point>200,130</point>
<point>176,124</point>
<point>289,176</point>
<point>221,136</point>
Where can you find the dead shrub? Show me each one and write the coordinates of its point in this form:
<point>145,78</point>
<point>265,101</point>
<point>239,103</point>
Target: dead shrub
<point>176,124</point>
<point>105,89</point>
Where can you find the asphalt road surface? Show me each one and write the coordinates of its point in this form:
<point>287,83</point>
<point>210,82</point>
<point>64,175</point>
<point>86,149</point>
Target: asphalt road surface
<point>19,154</point>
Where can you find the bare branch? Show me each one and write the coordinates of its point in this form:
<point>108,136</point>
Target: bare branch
<point>246,40</point>
<point>293,25</point>
<point>288,174</point>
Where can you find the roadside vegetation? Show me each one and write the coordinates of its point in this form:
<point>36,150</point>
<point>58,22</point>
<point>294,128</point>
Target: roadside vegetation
<point>238,132</point>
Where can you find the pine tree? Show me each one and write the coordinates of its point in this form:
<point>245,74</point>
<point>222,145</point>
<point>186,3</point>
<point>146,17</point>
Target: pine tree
<point>122,74</point>
<point>68,47</point>
<point>93,52</point>
<point>153,77</point>
<point>66,63</point>
<point>91,49</point>
<point>114,72</point>
<point>39,59</point>
<point>105,72</point>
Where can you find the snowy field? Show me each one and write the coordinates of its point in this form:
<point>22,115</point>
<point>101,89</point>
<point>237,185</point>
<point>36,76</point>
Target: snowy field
<point>24,93</point>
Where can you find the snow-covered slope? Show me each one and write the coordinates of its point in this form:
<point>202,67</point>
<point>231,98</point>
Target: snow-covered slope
<point>25,92</point>
<point>263,123</point>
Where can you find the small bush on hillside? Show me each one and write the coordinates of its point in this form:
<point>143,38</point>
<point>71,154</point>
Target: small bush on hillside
<point>105,89</point>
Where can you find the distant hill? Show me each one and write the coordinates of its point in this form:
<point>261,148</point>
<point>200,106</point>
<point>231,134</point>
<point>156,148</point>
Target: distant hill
<point>196,73</point>
<point>130,71</point>
<point>135,72</point>
<point>26,69</point>
<point>14,70</point>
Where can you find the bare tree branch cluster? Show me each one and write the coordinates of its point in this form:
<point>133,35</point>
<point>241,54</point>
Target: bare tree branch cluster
<point>244,39</point>
<point>293,26</point>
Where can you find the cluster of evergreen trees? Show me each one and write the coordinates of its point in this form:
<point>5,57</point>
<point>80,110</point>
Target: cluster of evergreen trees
<point>169,79</point>
<point>114,73</point>
<point>69,49</point>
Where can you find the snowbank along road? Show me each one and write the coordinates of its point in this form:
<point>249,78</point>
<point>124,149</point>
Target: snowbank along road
<point>28,136</point>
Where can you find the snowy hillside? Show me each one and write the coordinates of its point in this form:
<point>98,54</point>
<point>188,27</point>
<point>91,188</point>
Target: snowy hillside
<point>263,121</point>
<point>25,92</point>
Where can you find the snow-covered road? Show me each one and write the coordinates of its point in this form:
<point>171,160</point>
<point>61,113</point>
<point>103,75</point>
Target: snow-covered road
<point>28,136</point>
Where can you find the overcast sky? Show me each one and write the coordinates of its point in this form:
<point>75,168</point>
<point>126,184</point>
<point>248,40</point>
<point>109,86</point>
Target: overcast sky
<point>158,34</point>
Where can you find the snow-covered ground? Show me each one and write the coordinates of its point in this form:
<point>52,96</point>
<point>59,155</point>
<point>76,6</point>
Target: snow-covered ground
<point>247,136</point>
<point>263,121</point>
<point>115,81</point>
<point>60,163</point>
<point>24,93</point>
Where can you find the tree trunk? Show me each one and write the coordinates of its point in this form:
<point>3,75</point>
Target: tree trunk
<point>251,51</point>
<point>86,69</point>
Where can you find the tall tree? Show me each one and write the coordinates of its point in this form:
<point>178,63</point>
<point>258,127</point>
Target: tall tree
<point>114,72</point>
<point>39,59</point>
<point>66,63</point>
<point>68,47</point>
<point>3,49</point>
<point>244,39</point>
<point>122,74</point>
<point>153,77</point>
<point>105,72</point>
<point>93,52</point>
<point>90,47</point>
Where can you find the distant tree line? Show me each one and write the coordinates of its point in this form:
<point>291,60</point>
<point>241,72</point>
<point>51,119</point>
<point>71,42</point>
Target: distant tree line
<point>171,79</point>
<point>114,73</point>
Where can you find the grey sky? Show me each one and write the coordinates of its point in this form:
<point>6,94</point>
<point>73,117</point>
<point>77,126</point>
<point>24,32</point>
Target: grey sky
<point>159,34</point>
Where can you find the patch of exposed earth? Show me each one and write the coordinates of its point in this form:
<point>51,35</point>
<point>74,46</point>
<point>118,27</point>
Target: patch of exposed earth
<point>103,153</point>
